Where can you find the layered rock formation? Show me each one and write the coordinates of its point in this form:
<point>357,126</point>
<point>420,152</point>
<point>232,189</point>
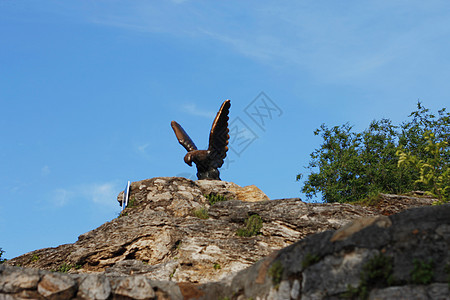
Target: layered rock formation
<point>179,239</point>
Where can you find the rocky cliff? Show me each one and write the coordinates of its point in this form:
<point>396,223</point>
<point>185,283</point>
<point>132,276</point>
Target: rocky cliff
<point>181,239</point>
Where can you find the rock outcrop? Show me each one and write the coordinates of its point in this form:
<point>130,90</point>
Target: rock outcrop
<point>170,231</point>
<point>179,239</point>
<point>404,256</point>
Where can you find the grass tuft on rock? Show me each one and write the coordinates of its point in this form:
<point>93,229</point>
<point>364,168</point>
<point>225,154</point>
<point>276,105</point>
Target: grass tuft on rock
<point>252,227</point>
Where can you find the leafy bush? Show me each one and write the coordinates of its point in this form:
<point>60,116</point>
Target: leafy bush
<point>252,226</point>
<point>34,258</point>
<point>214,198</point>
<point>351,166</point>
<point>65,267</point>
<point>434,170</point>
<point>276,272</point>
<point>422,273</point>
<point>377,272</point>
<point>309,260</point>
<point>2,260</point>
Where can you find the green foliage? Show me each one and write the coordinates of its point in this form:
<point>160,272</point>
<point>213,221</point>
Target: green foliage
<point>351,166</point>
<point>434,170</point>
<point>123,214</point>
<point>422,273</point>
<point>2,260</point>
<point>377,272</point>
<point>252,226</point>
<point>132,202</point>
<point>173,273</point>
<point>65,267</point>
<point>217,266</point>
<point>201,213</point>
<point>309,260</point>
<point>34,258</point>
<point>275,272</point>
<point>214,198</point>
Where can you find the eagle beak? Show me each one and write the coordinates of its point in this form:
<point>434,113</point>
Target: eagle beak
<point>188,159</point>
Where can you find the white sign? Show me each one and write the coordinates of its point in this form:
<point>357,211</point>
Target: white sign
<point>126,194</point>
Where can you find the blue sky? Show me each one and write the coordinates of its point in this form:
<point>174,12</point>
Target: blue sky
<point>88,90</point>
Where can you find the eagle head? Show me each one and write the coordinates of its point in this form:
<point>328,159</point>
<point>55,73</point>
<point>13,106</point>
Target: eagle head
<point>188,159</point>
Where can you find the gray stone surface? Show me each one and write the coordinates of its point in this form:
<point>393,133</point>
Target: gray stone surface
<point>135,287</point>
<point>56,286</point>
<point>94,287</point>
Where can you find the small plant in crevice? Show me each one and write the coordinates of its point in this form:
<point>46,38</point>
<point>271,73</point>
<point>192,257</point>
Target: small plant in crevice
<point>123,213</point>
<point>217,266</point>
<point>422,273</point>
<point>201,213</point>
<point>214,198</point>
<point>172,274</point>
<point>132,202</point>
<point>377,272</point>
<point>252,226</point>
<point>65,267</point>
<point>275,272</point>
<point>34,258</point>
<point>310,259</point>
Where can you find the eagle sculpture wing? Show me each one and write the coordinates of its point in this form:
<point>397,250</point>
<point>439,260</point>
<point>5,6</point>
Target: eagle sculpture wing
<point>183,137</point>
<point>218,138</point>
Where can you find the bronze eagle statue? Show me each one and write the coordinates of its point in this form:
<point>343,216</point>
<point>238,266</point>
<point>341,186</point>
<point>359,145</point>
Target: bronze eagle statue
<point>207,161</point>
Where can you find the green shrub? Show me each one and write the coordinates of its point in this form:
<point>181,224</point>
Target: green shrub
<point>377,272</point>
<point>422,273</point>
<point>65,267</point>
<point>34,258</point>
<point>276,272</point>
<point>131,202</point>
<point>309,260</point>
<point>252,226</point>
<point>201,213</point>
<point>214,198</point>
<point>434,170</point>
<point>350,166</point>
<point>2,260</point>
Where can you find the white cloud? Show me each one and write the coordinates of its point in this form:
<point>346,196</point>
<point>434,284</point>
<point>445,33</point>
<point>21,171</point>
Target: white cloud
<point>195,111</point>
<point>102,194</point>
<point>141,148</point>
<point>45,171</point>
<point>333,42</point>
<point>61,197</point>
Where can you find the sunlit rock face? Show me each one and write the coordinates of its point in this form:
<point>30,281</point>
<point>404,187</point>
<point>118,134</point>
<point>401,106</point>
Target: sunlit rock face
<point>177,236</point>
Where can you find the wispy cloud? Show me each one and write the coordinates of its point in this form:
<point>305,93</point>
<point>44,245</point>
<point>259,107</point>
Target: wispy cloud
<point>195,111</point>
<point>102,194</point>
<point>60,197</point>
<point>141,148</point>
<point>45,171</point>
<point>344,43</point>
